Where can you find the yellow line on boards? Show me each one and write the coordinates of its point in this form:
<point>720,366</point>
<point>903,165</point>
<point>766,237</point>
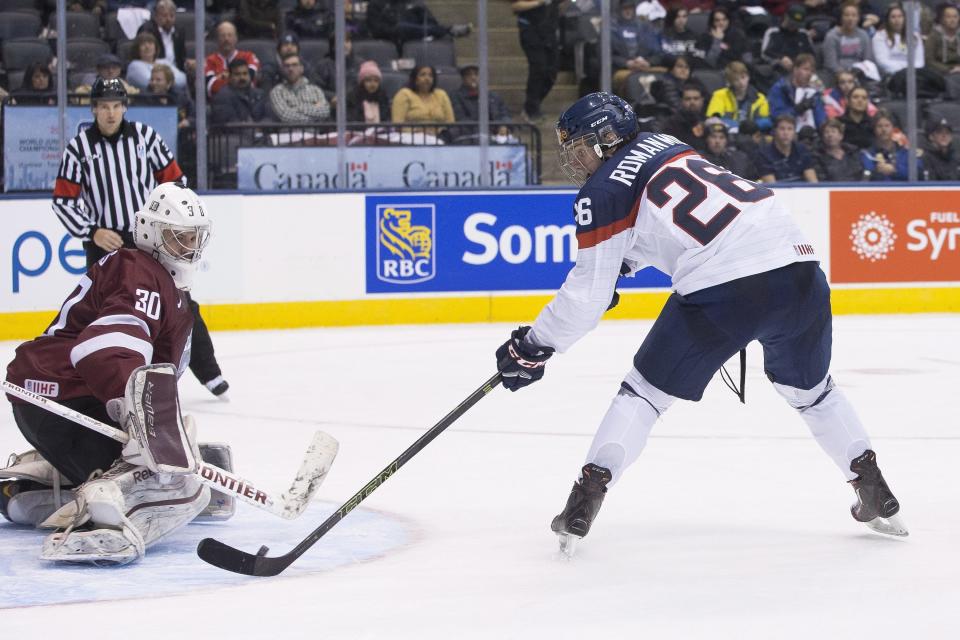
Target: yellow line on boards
<point>490,308</point>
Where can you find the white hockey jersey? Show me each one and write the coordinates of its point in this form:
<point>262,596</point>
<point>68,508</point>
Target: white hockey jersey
<point>657,203</point>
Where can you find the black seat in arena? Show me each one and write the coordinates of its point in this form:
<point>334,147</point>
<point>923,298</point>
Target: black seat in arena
<point>383,52</point>
<point>393,81</point>
<point>82,53</point>
<point>315,50</point>
<point>82,25</point>
<point>438,53</point>
<point>949,111</point>
<point>17,24</point>
<point>264,49</point>
<point>21,52</point>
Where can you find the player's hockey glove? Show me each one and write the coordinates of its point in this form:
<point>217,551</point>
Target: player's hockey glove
<point>521,363</point>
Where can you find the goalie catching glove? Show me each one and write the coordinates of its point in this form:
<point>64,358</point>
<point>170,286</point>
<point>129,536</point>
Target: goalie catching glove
<point>160,439</point>
<point>521,363</point>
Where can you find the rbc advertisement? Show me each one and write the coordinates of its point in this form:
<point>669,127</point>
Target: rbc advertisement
<point>475,242</point>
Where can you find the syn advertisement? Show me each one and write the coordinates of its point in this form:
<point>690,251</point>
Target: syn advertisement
<point>894,236</point>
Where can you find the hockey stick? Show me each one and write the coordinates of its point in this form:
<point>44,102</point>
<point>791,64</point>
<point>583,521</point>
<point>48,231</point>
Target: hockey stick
<point>316,463</point>
<point>226,557</point>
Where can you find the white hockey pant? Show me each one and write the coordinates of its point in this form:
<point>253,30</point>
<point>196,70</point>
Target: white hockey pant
<point>129,508</point>
<point>623,433</point>
<point>831,419</point>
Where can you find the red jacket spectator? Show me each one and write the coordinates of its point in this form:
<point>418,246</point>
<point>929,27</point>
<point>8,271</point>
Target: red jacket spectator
<point>216,69</point>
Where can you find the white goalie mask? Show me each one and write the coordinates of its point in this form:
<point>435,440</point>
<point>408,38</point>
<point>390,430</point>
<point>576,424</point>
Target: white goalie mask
<point>174,228</point>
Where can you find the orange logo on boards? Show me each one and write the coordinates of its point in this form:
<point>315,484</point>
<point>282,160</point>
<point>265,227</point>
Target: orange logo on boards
<point>894,236</point>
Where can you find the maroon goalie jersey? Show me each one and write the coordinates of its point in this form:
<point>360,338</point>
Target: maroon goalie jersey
<point>125,312</point>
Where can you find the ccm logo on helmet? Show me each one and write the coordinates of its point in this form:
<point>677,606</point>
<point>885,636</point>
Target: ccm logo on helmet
<point>603,119</point>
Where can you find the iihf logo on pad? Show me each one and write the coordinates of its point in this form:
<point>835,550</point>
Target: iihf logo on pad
<point>405,241</point>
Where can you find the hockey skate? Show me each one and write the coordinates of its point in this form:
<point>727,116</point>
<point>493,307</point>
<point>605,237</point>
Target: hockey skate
<point>582,507</point>
<point>876,505</point>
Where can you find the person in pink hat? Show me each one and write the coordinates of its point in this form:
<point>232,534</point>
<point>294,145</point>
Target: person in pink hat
<point>368,102</point>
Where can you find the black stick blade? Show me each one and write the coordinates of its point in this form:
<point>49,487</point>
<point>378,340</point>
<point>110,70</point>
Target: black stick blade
<point>230,559</point>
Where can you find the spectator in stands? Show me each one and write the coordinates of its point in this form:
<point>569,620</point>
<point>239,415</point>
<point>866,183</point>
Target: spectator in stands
<point>161,91</point>
<point>857,122</point>
<point>943,48</point>
<point>941,159</point>
<point>796,96</point>
<point>368,102</point>
<point>145,48</point>
<point>885,160</point>
<point>37,87</point>
<point>739,100</point>
<point>869,15</point>
<point>239,101</point>
<point>667,87</point>
<point>325,73</point>
<point>718,151</point>
<point>466,103</point>
<point>847,45</point>
<point>890,43</point>
<point>677,40</point>
<point>422,101</point>
<point>401,21</point>
<point>258,18</point>
<point>687,123</point>
<point>634,46</point>
<point>781,45</point>
<point>96,7</point>
<point>890,50</point>
<point>310,19</point>
<point>271,71</point>
<point>172,47</point>
<point>296,100</point>
<point>723,43</point>
<point>108,68</point>
<point>785,159</point>
<point>537,23</point>
<point>836,160</point>
<point>835,99</point>
<point>216,68</point>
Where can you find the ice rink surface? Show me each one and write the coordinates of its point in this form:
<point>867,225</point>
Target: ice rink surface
<point>733,524</point>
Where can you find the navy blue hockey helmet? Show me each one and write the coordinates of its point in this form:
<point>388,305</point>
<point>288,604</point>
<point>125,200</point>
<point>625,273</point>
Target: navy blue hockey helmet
<point>593,124</point>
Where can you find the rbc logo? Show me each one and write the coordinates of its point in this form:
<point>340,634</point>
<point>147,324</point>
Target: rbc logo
<point>405,236</point>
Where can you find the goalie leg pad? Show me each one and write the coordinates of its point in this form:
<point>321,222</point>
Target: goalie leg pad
<point>158,435</point>
<point>127,509</point>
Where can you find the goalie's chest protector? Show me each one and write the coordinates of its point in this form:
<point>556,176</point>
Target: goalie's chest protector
<point>125,306</point>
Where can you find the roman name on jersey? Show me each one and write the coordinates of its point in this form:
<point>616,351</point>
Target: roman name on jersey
<point>628,168</point>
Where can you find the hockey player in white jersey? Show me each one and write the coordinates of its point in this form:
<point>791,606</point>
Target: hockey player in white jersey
<point>741,271</point>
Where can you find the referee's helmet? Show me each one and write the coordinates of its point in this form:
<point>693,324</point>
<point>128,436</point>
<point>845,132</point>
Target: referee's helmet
<point>111,89</point>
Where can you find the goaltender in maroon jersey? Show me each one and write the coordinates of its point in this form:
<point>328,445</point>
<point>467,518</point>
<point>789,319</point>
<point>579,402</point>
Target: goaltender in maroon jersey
<point>125,312</point>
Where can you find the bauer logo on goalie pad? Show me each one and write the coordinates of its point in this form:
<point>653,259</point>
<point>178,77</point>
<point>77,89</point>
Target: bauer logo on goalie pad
<point>405,243</point>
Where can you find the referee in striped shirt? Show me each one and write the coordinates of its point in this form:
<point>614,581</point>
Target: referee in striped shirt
<point>106,174</point>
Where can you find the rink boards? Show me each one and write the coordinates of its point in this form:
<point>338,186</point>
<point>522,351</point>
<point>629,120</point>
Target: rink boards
<point>298,260</point>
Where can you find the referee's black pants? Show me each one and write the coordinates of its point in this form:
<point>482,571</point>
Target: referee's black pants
<point>203,361</point>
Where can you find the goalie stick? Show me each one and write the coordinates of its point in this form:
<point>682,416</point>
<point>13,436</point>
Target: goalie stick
<point>316,463</point>
<point>231,559</point>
